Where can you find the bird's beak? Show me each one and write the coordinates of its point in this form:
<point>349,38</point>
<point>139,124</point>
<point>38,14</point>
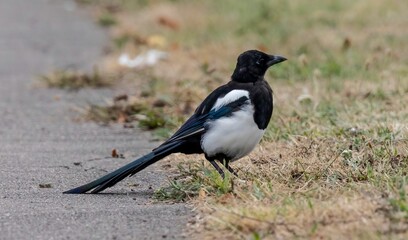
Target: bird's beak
<point>273,59</point>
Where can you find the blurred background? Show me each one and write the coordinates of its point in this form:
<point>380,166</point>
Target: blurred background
<point>340,53</point>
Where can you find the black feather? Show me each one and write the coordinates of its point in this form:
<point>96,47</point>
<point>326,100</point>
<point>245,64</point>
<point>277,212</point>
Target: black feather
<point>114,177</point>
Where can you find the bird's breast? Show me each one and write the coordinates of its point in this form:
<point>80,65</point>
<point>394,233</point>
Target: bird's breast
<point>234,136</point>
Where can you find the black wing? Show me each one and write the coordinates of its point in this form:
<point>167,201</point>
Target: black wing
<point>194,127</point>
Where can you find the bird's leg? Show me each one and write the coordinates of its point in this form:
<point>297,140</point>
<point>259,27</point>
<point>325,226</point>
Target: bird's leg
<point>231,170</point>
<point>228,167</point>
<point>219,170</point>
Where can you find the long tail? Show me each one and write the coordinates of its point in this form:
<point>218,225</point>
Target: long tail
<point>137,165</point>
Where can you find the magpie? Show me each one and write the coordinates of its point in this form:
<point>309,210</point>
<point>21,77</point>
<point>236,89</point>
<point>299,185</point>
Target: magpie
<point>226,126</point>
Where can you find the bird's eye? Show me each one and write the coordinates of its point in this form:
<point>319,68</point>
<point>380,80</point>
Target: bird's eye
<point>260,61</point>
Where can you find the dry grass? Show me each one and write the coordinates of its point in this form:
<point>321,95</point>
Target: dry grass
<point>334,161</point>
<point>74,80</point>
<point>311,190</point>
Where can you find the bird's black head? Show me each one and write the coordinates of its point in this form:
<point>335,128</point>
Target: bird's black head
<point>252,65</point>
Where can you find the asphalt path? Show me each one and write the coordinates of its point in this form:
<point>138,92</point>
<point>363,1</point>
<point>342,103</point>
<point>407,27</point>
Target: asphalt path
<point>44,152</point>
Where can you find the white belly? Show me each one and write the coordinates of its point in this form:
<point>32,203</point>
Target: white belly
<point>234,136</point>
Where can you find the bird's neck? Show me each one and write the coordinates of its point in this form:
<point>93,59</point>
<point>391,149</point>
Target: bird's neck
<point>245,76</point>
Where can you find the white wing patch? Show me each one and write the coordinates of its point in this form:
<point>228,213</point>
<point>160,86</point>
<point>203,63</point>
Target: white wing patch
<point>230,97</point>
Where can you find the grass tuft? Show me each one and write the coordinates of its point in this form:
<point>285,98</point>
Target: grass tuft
<point>107,20</point>
<point>127,111</point>
<point>195,180</point>
<point>73,80</point>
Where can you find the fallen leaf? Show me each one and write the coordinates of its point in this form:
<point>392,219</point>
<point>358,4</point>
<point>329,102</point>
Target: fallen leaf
<point>115,153</point>
<point>122,118</point>
<point>123,97</point>
<point>202,194</point>
<point>156,41</point>
<point>45,185</point>
<point>168,22</point>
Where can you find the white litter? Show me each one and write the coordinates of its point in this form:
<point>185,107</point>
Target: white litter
<point>149,58</point>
